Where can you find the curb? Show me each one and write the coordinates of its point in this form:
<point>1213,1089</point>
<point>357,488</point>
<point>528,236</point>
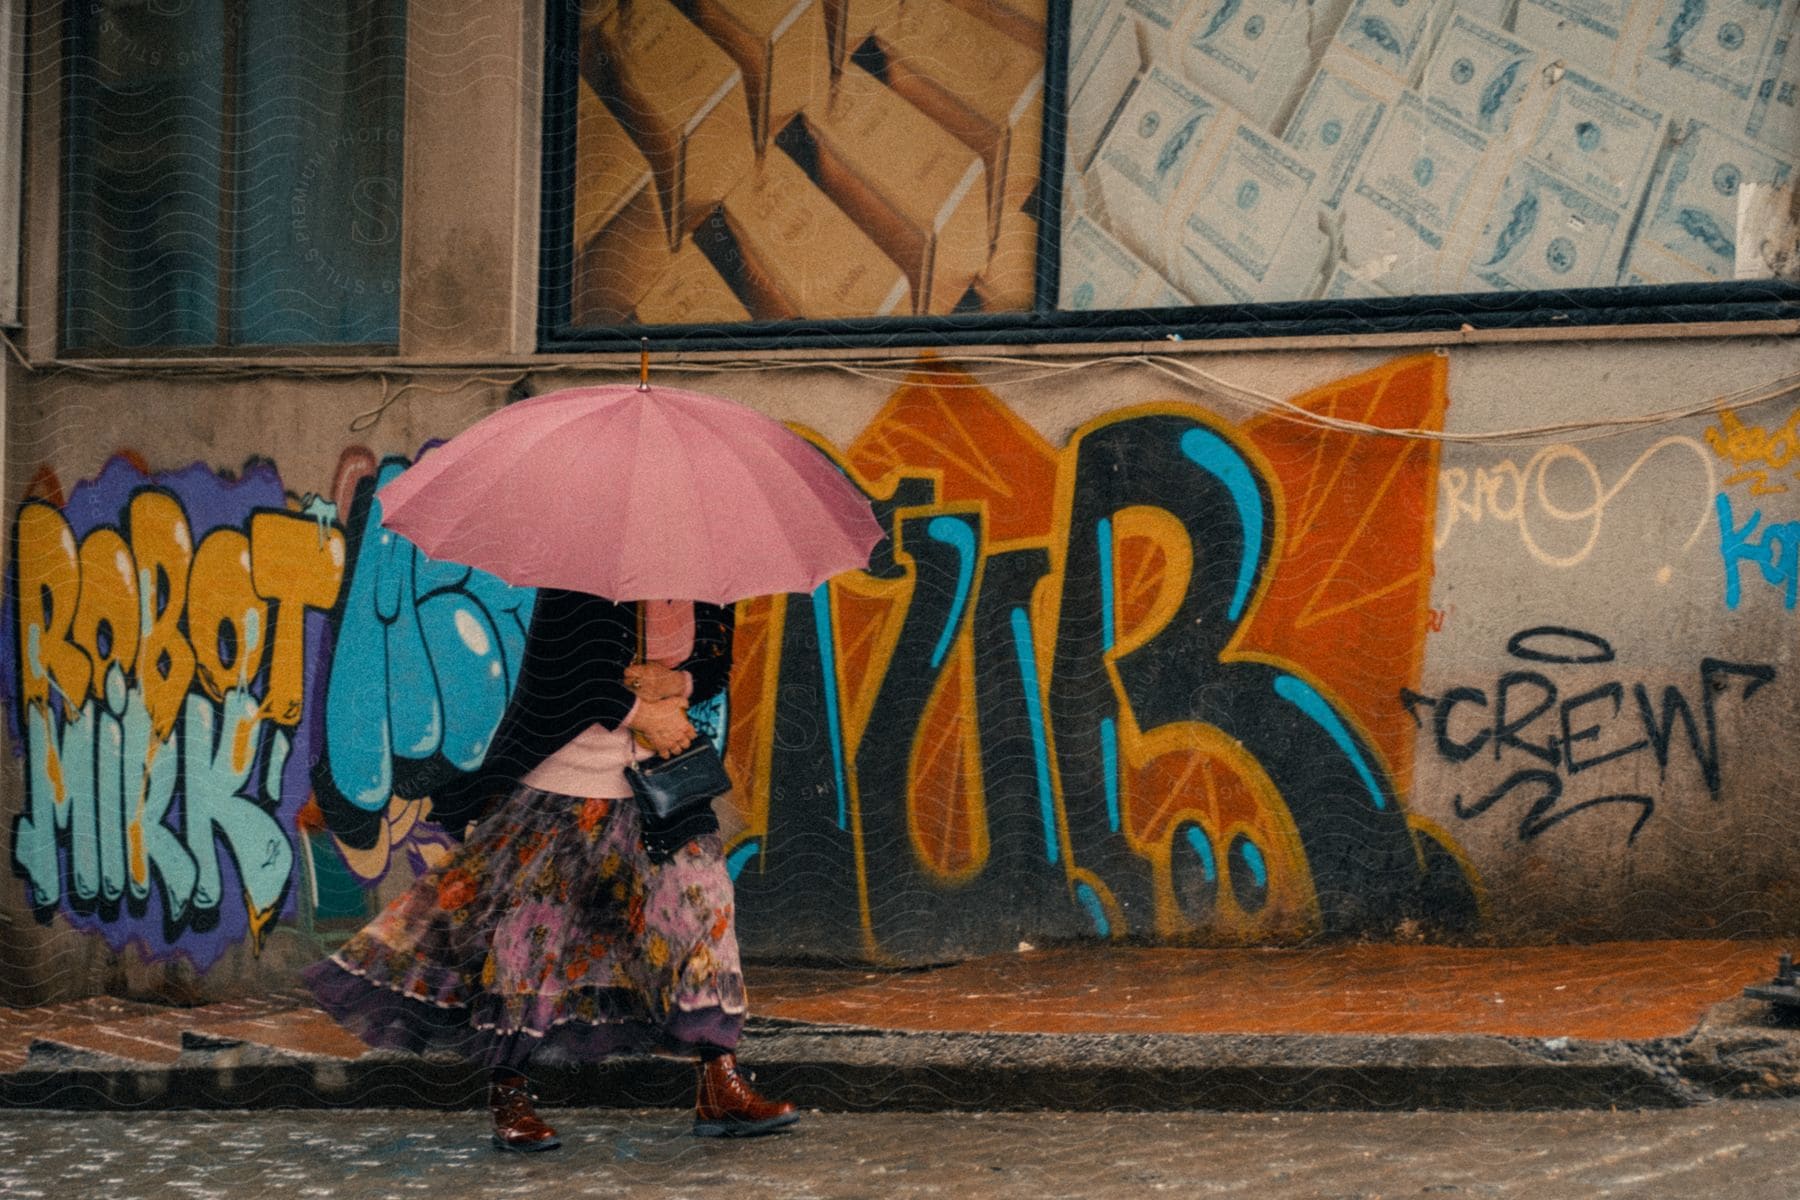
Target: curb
<point>1739,1050</point>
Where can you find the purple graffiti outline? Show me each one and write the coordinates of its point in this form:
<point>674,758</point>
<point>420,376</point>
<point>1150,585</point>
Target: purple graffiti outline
<point>210,500</point>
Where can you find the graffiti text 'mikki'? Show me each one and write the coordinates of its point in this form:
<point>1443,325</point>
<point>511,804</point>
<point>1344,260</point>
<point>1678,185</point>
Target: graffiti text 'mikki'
<point>156,678</point>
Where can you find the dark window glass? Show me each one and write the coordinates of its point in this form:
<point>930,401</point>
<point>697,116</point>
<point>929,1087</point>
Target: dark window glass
<point>233,173</point>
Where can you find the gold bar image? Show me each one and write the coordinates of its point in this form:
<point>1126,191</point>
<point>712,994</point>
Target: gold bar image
<point>780,47</point>
<point>850,22</point>
<point>619,247</point>
<point>679,96</point>
<point>801,256</point>
<point>1009,281</point>
<point>977,83</point>
<point>690,292</point>
<point>1020,20</point>
<point>908,183</point>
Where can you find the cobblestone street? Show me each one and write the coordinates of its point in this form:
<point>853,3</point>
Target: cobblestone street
<point>1743,1150</point>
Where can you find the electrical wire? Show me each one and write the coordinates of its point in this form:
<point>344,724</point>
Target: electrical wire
<point>370,417</point>
<point>948,372</point>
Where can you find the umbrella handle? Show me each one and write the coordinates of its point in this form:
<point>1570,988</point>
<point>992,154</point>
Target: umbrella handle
<point>644,370</point>
<point>643,364</point>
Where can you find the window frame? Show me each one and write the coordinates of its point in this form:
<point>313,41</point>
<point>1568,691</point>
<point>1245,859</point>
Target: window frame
<point>1724,302</point>
<point>13,71</point>
<point>71,53</point>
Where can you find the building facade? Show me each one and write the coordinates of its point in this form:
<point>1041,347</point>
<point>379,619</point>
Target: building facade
<point>1280,547</point>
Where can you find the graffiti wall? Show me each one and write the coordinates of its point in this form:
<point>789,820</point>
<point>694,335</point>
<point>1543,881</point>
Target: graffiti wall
<point>1614,718</point>
<point>1102,689</point>
<point>208,668</point>
<point>1173,670</point>
<point>164,625</point>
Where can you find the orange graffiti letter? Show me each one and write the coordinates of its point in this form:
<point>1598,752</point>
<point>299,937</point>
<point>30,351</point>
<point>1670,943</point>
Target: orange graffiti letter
<point>227,621</point>
<point>49,584</point>
<point>164,550</point>
<point>106,620</point>
<point>298,563</point>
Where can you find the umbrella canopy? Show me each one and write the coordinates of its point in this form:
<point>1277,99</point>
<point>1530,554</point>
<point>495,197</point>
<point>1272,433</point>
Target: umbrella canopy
<point>635,494</point>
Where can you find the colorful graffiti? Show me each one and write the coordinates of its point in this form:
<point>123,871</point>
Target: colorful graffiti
<point>1559,733</point>
<point>1755,453</point>
<point>1103,690</point>
<point>207,667</point>
<point>165,627</point>
<point>1557,500</point>
<point>1139,686</point>
<point>423,658</point>
<point>1774,549</point>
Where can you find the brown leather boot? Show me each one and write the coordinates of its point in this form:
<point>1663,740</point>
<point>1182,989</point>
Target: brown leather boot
<point>727,1106</point>
<point>517,1127</point>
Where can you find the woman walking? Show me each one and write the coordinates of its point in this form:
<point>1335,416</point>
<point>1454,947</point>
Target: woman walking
<point>568,927</point>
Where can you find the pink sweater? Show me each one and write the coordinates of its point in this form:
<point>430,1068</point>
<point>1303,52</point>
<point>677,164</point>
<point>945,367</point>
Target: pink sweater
<point>593,762</point>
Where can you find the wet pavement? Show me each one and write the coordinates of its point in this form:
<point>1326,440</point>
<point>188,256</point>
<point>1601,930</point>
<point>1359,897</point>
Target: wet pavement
<point>1745,1150</point>
<point>1091,1028</point>
<point>1604,990</point>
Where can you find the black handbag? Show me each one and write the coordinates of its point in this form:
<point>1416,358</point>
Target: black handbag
<point>668,788</point>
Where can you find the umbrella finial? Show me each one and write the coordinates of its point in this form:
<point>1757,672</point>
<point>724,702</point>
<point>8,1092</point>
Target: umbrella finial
<point>643,364</point>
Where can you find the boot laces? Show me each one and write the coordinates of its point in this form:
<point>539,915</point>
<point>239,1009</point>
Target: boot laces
<point>507,1095</point>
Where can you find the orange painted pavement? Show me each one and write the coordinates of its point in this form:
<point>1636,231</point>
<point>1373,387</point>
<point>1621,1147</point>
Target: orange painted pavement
<point>150,1034</point>
<point>1602,991</point>
<point>1598,992</point>
<point>307,1031</point>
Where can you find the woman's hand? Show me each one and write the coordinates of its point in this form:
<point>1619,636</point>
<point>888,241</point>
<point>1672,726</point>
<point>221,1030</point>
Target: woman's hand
<point>653,681</point>
<point>662,725</point>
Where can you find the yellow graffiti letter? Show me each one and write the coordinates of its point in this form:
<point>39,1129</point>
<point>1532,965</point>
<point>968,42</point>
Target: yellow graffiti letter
<point>106,620</point>
<point>164,549</point>
<point>299,564</point>
<point>227,620</point>
<point>49,585</point>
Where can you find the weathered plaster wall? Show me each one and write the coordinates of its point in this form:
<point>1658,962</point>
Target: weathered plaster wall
<point>1149,658</point>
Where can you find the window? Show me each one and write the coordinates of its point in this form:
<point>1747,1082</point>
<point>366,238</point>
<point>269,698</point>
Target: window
<point>232,173</point>
<point>721,164</point>
<point>1203,168</point>
<point>12,93</point>
<point>1230,152</point>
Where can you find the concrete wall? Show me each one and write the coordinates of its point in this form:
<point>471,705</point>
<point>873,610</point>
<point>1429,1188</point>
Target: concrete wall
<point>1151,657</point>
<point>1177,648</point>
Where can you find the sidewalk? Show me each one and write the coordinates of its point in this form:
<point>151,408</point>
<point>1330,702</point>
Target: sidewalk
<point>1085,1028</point>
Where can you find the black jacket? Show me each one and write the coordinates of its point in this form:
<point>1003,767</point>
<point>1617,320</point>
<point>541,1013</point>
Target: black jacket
<point>576,652</point>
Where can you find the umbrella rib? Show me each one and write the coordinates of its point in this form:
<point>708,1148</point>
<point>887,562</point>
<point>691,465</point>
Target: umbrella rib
<point>495,425</point>
<point>828,498</point>
<point>676,495</point>
<point>706,428</point>
<point>628,523</point>
<point>756,479</point>
<point>469,520</point>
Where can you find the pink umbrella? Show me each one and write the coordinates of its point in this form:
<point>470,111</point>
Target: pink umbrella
<point>635,494</point>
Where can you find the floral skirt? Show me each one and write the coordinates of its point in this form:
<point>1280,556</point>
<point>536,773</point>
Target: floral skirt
<point>551,935</point>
